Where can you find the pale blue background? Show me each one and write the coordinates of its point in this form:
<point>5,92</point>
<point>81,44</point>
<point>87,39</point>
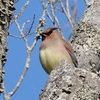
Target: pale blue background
<point>36,77</point>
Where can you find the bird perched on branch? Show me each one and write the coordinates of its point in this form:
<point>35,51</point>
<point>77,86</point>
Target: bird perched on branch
<point>53,49</point>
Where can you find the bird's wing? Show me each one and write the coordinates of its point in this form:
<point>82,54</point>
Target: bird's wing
<point>71,52</point>
<point>73,59</point>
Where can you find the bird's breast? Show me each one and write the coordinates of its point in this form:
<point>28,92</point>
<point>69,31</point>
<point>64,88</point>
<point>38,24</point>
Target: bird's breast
<point>50,58</point>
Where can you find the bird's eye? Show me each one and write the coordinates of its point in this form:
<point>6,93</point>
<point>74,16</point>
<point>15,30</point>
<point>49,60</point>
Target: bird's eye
<point>49,32</point>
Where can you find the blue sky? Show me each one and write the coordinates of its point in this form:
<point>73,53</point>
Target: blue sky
<point>36,77</point>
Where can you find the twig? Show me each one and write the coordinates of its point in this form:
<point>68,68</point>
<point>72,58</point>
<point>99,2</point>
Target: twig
<point>29,50</point>
<point>20,37</point>
<point>23,74</point>
<point>21,32</point>
<point>67,13</point>
<point>34,43</point>
<point>24,24</point>
<point>31,24</point>
<point>22,10</point>
<point>28,32</point>
<point>53,13</point>
<point>15,1</point>
<point>44,5</point>
<point>86,2</point>
<point>58,9</point>
<point>74,14</point>
<point>45,12</point>
<point>74,11</point>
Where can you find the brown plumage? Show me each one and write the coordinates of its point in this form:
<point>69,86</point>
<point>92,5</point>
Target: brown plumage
<point>53,49</point>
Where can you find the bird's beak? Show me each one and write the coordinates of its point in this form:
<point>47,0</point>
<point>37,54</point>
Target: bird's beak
<point>42,36</point>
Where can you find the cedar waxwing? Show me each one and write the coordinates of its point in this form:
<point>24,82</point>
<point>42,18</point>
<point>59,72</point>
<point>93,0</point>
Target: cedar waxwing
<point>53,49</point>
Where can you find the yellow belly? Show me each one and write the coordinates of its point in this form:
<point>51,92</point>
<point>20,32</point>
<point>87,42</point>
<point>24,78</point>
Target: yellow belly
<point>51,59</point>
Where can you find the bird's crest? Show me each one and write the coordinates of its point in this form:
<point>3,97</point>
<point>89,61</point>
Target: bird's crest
<point>49,30</point>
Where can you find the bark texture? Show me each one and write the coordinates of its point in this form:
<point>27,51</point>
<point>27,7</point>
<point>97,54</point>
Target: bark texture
<point>87,42</point>
<point>69,83</point>
<point>6,11</point>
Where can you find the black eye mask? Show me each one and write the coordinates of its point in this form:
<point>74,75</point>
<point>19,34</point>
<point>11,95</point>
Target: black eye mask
<point>44,35</point>
<point>47,34</point>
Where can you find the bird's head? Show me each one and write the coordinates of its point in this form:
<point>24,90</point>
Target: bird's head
<point>48,32</point>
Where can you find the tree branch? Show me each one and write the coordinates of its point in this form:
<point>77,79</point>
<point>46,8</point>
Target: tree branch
<point>23,74</point>
<point>86,2</point>
<point>67,13</point>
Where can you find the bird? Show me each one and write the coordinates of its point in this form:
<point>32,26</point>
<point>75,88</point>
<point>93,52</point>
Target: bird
<point>53,49</point>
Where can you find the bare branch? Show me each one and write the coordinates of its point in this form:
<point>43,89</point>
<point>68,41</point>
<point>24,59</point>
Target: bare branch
<point>74,10</point>
<point>53,13</point>
<point>58,9</point>
<point>20,37</point>
<point>34,43</point>
<point>31,24</point>
<point>21,11</point>
<point>24,24</point>
<point>86,2</point>
<point>67,13</point>
<point>15,1</point>
<point>23,8</point>
<point>45,12</point>
<point>27,32</point>
<point>73,15</point>
<point>21,32</point>
<point>23,74</point>
<point>29,50</point>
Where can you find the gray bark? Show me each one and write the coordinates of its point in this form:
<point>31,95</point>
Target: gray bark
<point>6,11</point>
<point>69,83</point>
